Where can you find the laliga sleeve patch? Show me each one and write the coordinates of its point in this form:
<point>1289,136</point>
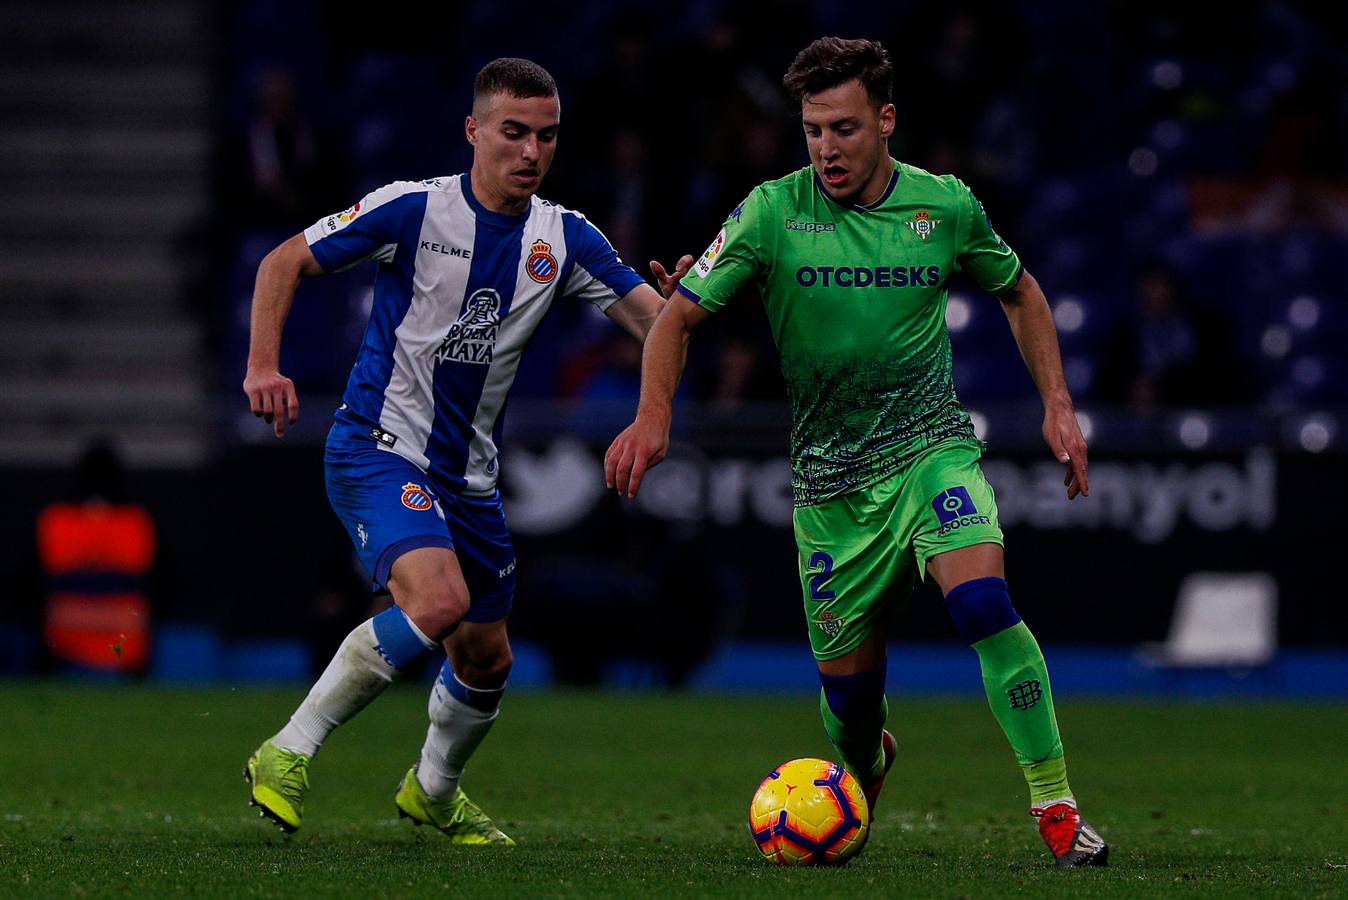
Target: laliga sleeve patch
<point>708,261</point>
<point>334,224</point>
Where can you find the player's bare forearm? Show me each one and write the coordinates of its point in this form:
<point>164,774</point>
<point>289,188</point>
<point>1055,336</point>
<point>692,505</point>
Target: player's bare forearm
<point>270,394</point>
<point>277,278</point>
<point>1031,321</point>
<point>663,359</point>
<point>637,311</point>
<point>645,442</point>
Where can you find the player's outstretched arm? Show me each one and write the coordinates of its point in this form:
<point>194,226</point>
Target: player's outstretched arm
<point>271,395</point>
<point>1031,320</point>
<point>636,311</point>
<point>645,442</point>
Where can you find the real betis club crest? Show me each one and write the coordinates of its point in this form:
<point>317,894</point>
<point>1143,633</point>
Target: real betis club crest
<point>923,224</point>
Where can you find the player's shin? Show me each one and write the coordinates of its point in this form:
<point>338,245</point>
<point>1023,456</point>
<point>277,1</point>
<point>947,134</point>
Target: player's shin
<point>1015,678</point>
<point>854,711</point>
<point>371,658</point>
<point>460,717</point>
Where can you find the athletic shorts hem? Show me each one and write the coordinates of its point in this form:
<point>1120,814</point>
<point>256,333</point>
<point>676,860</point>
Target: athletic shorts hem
<point>831,653</point>
<point>407,544</point>
<point>484,610</point>
<point>973,540</point>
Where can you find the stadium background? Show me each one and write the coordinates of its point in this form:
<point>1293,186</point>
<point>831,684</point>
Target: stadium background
<point>1181,191</point>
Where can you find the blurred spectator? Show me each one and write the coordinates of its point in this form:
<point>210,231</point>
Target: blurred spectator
<point>1301,162</point>
<point>97,551</point>
<point>282,171</point>
<point>606,371</point>
<point>1169,352</point>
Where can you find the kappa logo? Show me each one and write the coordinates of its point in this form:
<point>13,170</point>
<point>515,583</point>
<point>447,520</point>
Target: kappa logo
<point>955,509</point>
<point>923,224</point>
<point>415,497</point>
<point>363,534</point>
<point>704,265</point>
<point>541,264</point>
<point>472,339</point>
<point>810,227</point>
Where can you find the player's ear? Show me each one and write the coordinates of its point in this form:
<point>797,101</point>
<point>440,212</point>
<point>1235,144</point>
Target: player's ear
<point>887,116</point>
<point>470,130</point>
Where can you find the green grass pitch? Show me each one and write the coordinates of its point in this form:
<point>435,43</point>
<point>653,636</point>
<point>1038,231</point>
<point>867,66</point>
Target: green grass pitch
<point>137,791</point>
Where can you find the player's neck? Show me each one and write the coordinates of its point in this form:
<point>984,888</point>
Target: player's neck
<point>877,184</point>
<point>492,199</point>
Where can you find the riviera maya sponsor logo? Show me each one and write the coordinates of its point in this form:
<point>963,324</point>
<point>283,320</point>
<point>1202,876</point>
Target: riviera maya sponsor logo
<point>708,261</point>
<point>923,224</point>
<point>955,509</point>
<point>415,497</point>
<point>472,339</point>
<point>541,265</point>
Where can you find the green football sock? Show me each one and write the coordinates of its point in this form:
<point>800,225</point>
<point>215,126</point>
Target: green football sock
<point>858,741</point>
<point>1016,680</point>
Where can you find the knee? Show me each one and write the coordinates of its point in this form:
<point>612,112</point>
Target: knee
<point>981,608</point>
<point>487,667</point>
<point>435,607</point>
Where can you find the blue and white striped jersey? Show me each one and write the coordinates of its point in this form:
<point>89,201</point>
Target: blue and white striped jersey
<point>458,292</point>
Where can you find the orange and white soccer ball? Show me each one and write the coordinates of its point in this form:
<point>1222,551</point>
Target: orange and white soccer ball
<point>809,812</point>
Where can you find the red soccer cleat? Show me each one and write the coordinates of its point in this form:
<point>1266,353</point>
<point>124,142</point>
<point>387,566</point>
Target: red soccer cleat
<point>872,790</point>
<point>1070,838</point>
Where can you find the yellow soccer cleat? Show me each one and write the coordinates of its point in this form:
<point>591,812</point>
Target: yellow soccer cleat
<point>458,818</point>
<point>280,779</point>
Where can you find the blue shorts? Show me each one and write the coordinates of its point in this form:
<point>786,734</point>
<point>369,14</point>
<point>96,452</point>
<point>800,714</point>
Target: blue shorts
<point>390,506</point>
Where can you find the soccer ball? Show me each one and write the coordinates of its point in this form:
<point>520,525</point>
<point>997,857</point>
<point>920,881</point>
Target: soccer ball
<point>809,812</point>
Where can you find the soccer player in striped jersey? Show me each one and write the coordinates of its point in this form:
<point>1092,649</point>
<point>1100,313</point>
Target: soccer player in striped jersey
<point>851,256</point>
<point>467,267</point>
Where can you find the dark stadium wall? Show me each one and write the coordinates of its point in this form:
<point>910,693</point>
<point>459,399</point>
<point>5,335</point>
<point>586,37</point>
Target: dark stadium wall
<point>249,546</point>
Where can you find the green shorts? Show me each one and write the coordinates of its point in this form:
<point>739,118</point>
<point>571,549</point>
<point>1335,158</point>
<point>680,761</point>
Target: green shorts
<point>860,552</point>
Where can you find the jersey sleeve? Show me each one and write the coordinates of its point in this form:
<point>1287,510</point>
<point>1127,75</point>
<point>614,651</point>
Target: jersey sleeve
<point>368,230</point>
<point>596,273</point>
<point>983,254</point>
<point>735,257</point>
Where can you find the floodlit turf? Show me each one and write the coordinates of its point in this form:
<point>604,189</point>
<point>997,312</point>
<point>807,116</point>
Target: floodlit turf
<point>112,791</point>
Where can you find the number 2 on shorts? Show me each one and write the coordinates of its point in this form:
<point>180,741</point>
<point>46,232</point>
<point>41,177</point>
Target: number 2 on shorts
<point>817,589</point>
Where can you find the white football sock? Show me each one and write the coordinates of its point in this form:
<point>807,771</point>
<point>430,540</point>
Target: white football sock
<point>357,674</point>
<point>455,731</point>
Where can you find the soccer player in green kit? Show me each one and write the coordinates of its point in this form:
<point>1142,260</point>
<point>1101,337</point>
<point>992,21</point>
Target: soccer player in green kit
<point>851,256</point>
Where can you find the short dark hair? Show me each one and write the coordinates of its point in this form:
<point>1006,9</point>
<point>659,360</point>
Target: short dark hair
<point>513,77</point>
<point>831,61</point>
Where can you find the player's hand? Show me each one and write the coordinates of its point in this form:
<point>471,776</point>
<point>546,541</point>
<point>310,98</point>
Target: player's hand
<point>668,281</point>
<point>1068,444</point>
<point>642,444</point>
<point>272,396</point>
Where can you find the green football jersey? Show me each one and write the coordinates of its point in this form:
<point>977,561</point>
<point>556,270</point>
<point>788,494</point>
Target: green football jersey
<point>856,299</point>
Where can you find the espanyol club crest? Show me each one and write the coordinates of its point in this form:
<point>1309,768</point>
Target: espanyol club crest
<point>415,498</point>
<point>541,265</point>
<point>923,224</point>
